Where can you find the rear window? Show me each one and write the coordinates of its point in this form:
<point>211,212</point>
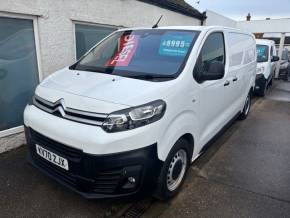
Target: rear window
<point>152,52</point>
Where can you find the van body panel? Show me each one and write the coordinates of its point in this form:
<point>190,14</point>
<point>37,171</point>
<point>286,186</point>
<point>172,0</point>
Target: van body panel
<point>266,68</point>
<point>104,87</point>
<point>90,139</point>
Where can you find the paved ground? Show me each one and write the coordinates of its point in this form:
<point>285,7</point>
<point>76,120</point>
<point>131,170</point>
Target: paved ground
<point>245,173</point>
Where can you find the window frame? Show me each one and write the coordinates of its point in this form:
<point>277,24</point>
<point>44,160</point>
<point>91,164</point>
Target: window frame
<point>34,19</point>
<point>74,22</point>
<point>200,50</point>
<point>271,52</point>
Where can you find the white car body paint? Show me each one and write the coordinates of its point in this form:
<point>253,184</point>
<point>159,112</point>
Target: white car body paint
<point>268,66</point>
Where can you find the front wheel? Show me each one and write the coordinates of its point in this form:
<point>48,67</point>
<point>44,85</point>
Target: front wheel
<point>173,171</point>
<point>245,112</point>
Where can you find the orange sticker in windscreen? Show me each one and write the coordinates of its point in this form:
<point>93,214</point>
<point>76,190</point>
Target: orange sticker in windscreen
<point>127,47</point>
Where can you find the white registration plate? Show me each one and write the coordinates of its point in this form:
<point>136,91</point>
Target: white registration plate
<point>52,157</point>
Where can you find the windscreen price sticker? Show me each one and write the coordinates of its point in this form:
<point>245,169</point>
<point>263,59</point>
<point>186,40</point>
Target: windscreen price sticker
<point>174,45</point>
<point>127,47</point>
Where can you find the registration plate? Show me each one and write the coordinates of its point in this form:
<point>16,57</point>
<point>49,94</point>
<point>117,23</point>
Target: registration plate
<point>52,157</point>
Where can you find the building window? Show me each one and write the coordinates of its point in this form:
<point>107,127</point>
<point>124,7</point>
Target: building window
<point>89,35</point>
<point>18,70</point>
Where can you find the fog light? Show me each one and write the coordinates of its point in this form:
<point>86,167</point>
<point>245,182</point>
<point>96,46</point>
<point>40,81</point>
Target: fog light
<point>131,176</point>
<point>131,179</point>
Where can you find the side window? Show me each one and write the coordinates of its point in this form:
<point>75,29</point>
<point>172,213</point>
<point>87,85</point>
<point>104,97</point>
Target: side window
<point>213,50</point>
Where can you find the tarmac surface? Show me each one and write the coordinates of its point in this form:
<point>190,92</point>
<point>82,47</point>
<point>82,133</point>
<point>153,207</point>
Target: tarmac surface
<point>244,173</point>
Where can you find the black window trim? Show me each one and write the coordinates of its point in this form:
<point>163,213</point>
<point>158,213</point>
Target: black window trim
<point>225,55</point>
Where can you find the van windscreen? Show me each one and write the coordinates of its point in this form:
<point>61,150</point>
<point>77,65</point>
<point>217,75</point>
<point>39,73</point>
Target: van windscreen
<point>141,54</point>
<point>262,53</point>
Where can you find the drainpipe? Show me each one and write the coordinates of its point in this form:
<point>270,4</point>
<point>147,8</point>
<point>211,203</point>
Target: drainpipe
<point>203,18</point>
<point>281,46</point>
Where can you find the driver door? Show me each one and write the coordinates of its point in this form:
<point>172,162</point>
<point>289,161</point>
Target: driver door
<point>212,103</point>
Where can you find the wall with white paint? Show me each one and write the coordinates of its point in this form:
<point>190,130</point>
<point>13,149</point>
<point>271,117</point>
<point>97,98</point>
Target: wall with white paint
<point>215,19</point>
<point>266,26</point>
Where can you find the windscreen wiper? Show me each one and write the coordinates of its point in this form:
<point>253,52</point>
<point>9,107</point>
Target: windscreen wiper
<point>151,76</point>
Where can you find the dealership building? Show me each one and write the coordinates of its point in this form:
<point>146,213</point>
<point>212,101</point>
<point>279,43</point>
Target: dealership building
<point>39,37</point>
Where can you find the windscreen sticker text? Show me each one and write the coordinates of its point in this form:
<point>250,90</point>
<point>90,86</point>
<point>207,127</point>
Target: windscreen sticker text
<point>261,51</point>
<point>127,47</point>
<point>174,45</point>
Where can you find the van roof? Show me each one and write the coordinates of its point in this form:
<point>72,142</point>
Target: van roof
<point>198,28</point>
<point>265,42</point>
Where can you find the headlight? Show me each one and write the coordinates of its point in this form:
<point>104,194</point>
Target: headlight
<point>260,70</point>
<point>135,117</point>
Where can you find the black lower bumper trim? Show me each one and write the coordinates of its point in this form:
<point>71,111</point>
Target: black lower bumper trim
<point>260,83</point>
<point>123,174</point>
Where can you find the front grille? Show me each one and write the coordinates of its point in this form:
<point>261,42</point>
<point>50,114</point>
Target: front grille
<point>86,172</point>
<point>108,181</point>
<point>73,156</point>
<point>55,171</point>
<point>60,110</point>
<point>64,150</point>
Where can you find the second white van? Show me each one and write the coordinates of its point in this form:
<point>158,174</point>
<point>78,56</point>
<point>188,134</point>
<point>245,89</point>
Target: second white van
<point>266,65</point>
<point>132,114</point>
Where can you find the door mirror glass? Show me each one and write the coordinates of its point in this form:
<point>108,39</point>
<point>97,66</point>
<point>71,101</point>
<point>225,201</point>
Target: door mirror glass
<point>275,58</point>
<point>210,64</point>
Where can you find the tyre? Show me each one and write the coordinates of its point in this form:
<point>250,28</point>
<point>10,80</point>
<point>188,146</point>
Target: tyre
<point>173,171</point>
<point>270,83</point>
<point>263,91</point>
<point>245,112</point>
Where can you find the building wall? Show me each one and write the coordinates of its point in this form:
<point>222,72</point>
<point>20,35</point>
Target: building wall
<point>215,19</point>
<point>55,23</point>
<point>266,26</point>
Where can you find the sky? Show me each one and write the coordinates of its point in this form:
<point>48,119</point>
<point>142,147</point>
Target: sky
<point>238,9</point>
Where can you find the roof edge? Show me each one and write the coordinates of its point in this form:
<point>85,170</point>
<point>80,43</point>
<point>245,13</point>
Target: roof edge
<point>191,13</point>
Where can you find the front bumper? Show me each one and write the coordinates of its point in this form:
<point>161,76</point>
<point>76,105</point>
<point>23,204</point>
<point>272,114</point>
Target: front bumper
<point>260,83</point>
<point>98,176</point>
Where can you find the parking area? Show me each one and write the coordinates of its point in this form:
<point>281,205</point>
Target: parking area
<point>244,173</point>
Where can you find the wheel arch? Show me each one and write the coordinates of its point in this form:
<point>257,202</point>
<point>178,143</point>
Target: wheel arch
<point>183,126</point>
<point>190,140</point>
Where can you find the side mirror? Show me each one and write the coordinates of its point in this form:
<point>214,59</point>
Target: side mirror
<point>275,58</point>
<point>216,70</point>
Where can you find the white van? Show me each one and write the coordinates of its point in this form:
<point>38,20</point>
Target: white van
<point>266,65</point>
<point>132,114</point>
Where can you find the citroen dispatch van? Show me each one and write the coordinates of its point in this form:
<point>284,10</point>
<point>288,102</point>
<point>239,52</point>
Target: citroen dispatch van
<point>266,65</point>
<point>132,114</point>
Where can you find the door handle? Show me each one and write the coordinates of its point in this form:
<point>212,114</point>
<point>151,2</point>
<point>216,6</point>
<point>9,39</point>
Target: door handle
<point>227,83</point>
<point>235,79</point>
